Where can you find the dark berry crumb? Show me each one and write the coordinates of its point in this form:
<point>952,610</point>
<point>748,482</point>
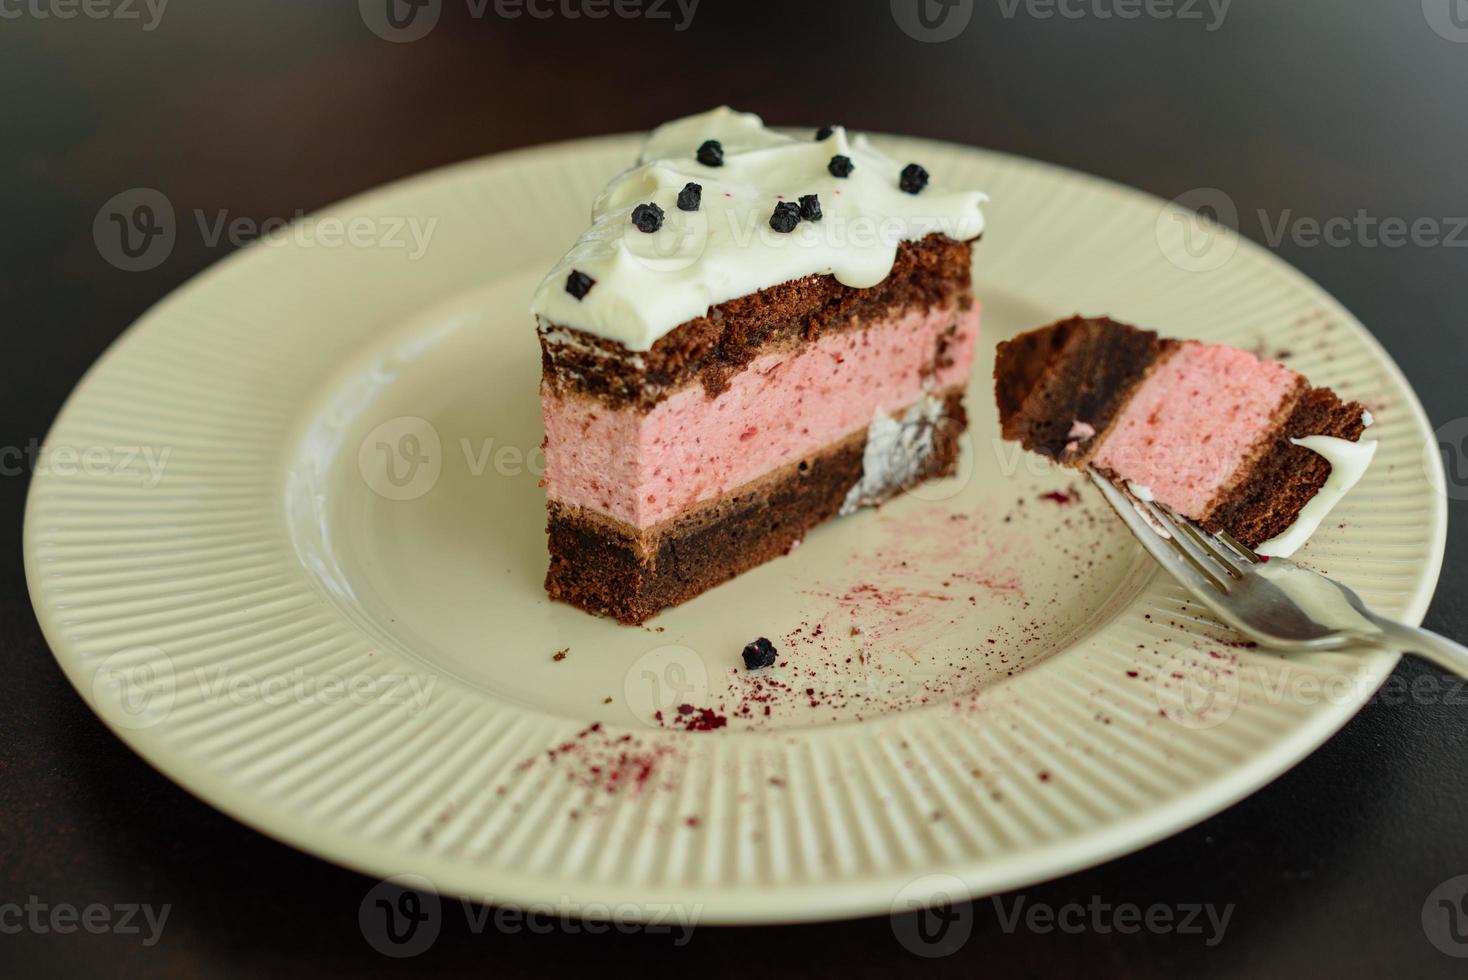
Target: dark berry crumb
<point>840,166</point>
<point>711,154</point>
<point>914,179</point>
<point>578,284</point>
<point>810,207</point>
<point>760,653</point>
<point>704,720</point>
<point>647,217</point>
<point>786,217</point>
<point>690,198</point>
<point>824,133</point>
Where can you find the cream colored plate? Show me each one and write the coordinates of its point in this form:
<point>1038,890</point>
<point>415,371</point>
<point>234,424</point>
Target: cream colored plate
<point>288,542</point>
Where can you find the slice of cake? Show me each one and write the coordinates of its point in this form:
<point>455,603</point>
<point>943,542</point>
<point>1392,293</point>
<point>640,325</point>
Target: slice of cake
<point>1235,443</point>
<point>757,333</point>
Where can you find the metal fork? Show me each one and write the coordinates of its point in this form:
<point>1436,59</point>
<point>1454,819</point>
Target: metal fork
<point>1276,602</point>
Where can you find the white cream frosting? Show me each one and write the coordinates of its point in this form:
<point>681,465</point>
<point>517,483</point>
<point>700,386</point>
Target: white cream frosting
<point>1348,464</point>
<point>647,284</point>
<point>896,452</point>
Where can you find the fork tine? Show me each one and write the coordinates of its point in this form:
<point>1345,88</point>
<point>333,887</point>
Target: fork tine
<point>1245,553</point>
<point>1150,531</point>
<point>1185,541</point>
<point>1213,548</point>
<point>1234,557</point>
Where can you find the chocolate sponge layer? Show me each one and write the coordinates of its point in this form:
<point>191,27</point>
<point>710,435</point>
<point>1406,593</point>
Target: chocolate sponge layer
<point>606,567</point>
<point>1076,370</point>
<point>710,349</point>
<point>1271,491</point>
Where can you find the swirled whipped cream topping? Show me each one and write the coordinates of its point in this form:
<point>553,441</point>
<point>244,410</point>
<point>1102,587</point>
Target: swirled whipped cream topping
<point>643,284</point>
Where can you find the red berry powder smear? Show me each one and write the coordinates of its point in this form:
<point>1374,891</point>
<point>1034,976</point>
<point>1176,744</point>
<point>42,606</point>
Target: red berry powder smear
<point>936,615</point>
<point>945,607</point>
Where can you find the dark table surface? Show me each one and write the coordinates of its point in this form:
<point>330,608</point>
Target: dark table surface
<point>1312,109</point>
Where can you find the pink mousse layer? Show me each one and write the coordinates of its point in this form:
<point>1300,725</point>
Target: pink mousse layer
<point>1195,421</point>
<point>645,468</point>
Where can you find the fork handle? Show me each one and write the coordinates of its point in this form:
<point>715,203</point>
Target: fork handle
<point>1439,649</point>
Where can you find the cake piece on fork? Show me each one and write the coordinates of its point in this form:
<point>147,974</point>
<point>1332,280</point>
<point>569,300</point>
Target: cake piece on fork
<point>1233,442</point>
